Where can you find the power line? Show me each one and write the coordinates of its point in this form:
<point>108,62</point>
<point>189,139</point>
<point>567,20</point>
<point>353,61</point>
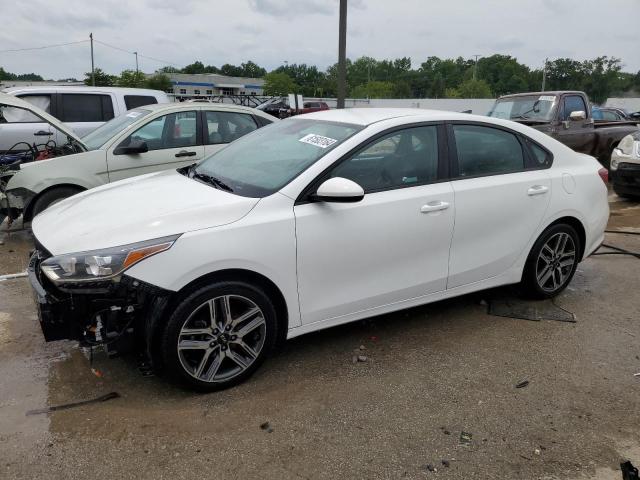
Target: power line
<point>43,47</point>
<point>133,53</point>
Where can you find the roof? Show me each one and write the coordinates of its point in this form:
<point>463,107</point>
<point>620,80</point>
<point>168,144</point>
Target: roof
<point>159,107</point>
<point>367,116</point>
<point>553,92</point>
<point>85,88</point>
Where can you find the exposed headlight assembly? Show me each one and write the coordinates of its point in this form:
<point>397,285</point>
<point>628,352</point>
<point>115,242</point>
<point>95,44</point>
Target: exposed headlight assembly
<point>102,264</point>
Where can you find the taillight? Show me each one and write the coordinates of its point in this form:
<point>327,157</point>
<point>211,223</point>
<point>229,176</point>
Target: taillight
<point>604,175</point>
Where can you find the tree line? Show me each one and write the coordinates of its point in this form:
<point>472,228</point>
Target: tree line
<point>436,77</point>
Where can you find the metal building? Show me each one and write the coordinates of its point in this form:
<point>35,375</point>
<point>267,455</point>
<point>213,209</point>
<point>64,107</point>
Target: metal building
<point>205,85</point>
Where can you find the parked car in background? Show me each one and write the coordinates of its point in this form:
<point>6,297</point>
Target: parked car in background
<point>609,114</point>
<point>565,116</point>
<point>310,107</point>
<point>625,167</point>
<point>143,140</point>
<point>277,107</point>
<point>82,108</point>
<point>312,222</point>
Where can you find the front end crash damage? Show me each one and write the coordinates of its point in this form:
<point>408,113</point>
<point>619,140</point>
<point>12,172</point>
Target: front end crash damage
<point>14,202</point>
<point>120,315</point>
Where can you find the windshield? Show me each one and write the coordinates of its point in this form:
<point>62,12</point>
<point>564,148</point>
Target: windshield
<point>264,161</point>
<point>538,108</point>
<point>101,135</point>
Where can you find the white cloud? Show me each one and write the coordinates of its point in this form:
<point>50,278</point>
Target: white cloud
<point>305,31</point>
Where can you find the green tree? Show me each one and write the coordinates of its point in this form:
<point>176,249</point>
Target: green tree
<point>132,79</point>
<point>278,83</point>
<point>159,81</point>
<point>373,89</point>
<point>102,79</point>
<point>474,89</point>
<point>194,68</point>
<point>437,89</point>
<point>252,70</point>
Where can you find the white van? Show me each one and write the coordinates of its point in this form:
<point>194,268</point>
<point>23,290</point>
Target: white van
<point>83,109</point>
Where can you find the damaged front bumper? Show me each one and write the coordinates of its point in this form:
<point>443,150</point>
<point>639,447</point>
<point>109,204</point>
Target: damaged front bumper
<point>120,315</point>
<point>13,202</point>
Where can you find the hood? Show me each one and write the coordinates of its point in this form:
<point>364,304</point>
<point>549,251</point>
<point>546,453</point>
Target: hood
<point>137,209</point>
<point>12,101</point>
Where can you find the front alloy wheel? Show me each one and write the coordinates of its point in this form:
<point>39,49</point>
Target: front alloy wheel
<point>221,338</point>
<point>218,336</point>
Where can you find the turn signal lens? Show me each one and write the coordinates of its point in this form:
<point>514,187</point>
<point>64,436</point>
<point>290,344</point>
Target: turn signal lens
<point>136,255</point>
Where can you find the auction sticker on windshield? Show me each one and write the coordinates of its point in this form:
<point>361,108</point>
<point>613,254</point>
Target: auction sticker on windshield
<point>547,98</point>
<point>318,140</point>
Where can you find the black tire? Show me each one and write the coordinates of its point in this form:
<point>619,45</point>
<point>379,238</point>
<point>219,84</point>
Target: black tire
<point>192,310</point>
<point>534,273</point>
<point>627,196</point>
<point>52,196</point>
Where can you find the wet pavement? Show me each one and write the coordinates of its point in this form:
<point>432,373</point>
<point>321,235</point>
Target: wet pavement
<point>431,373</point>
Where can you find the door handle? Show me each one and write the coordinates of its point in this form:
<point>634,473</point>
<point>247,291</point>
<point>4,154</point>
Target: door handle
<point>42,133</point>
<point>434,206</point>
<point>537,190</point>
<point>184,153</point>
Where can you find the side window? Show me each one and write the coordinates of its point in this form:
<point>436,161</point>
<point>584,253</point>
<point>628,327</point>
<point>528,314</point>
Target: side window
<point>17,115</point>
<point>400,159</point>
<point>573,103</point>
<point>610,116</point>
<point>82,107</point>
<point>486,151</point>
<point>135,101</point>
<point>541,157</point>
<point>225,127</point>
<point>176,130</point>
<point>43,102</point>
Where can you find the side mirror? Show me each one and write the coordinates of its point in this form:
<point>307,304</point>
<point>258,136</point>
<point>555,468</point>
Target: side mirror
<point>339,189</point>
<point>578,115</point>
<point>134,147</point>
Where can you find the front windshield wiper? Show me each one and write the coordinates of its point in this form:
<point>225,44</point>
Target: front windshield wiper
<point>210,179</point>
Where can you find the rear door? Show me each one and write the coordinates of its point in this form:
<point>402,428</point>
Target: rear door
<point>173,140</point>
<point>502,188</point>
<point>84,112</point>
<point>221,128</point>
<point>18,125</point>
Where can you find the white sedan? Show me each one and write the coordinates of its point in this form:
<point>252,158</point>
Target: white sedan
<point>143,140</point>
<point>312,222</point>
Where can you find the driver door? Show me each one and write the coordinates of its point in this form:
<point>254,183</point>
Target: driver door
<point>174,140</point>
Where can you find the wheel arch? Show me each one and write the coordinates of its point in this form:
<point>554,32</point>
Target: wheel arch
<point>27,214</point>
<point>231,274</point>
<point>577,226</point>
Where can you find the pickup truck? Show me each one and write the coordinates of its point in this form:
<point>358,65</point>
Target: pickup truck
<point>567,117</point>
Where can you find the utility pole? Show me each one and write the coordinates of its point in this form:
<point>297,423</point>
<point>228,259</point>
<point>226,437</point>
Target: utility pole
<point>136,54</point>
<point>544,74</point>
<point>342,54</point>
<point>93,72</point>
<point>475,67</point>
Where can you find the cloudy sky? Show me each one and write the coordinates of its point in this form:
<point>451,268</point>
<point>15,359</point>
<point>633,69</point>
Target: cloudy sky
<point>305,31</point>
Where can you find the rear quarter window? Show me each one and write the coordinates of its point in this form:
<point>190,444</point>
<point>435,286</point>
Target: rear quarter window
<point>135,101</point>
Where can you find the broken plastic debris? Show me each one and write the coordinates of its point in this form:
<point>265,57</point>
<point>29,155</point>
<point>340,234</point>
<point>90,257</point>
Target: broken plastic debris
<point>266,427</point>
<point>522,384</point>
<point>103,398</point>
<point>97,372</point>
<point>465,438</point>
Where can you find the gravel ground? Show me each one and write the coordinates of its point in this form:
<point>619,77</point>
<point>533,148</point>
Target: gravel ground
<point>435,397</point>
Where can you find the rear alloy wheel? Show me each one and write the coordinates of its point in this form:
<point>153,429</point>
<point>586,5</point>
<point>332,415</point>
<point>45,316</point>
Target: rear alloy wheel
<point>552,262</point>
<point>219,335</point>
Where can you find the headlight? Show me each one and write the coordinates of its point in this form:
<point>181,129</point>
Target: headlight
<point>626,145</point>
<point>102,264</point>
